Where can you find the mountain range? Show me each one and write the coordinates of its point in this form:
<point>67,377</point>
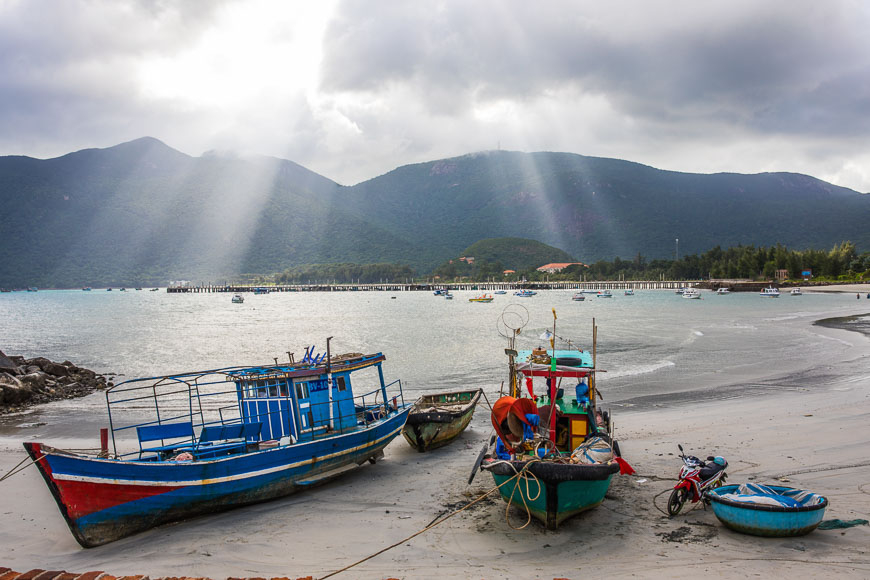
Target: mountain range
<point>142,213</point>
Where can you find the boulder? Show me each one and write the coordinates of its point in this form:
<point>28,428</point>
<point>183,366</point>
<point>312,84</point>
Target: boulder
<point>7,365</point>
<point>39,361</point>
<point>33,381</point>
<point>12,391</point>
<point>56,370</point>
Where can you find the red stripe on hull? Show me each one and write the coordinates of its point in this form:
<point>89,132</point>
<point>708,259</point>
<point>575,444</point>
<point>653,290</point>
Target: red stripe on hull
<point>83,498</point>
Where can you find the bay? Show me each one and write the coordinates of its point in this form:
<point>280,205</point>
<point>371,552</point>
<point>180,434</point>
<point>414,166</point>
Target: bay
<point>654,347</point>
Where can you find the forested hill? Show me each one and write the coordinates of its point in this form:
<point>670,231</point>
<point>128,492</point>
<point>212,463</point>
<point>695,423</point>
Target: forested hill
<point>595,208</point>
<point>142,213</point>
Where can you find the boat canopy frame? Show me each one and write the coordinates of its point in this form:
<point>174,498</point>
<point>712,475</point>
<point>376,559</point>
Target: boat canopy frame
<point>223,397</point>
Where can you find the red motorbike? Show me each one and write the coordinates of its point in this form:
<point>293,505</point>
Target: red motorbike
<point>696,477</point>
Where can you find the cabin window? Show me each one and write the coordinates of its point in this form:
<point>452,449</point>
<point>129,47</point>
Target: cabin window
<point>273,387</point>
<point>341,384</point>
<point>285,388</point>
<point>301,390</point>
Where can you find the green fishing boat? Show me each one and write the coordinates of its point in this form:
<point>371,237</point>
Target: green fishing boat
<point>436,420</point>
<point>555,455</point>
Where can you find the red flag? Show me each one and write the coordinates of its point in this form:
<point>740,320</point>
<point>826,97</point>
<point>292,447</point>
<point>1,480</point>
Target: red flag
<point>624,467</point>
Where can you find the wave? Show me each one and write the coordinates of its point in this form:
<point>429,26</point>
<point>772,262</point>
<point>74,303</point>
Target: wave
<point>642,369</point>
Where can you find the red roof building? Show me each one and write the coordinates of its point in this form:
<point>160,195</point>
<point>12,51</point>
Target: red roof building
<point>559,266</point>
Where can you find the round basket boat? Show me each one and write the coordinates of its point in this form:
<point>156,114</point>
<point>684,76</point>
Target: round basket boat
<point>770,510</point>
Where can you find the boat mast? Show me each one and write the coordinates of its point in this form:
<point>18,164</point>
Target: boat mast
<point>512,364</point>
<point>553,383</point>
<point>593,379</point>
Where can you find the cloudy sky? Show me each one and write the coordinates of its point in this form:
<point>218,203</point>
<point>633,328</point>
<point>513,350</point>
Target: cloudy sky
<point>354,89</point>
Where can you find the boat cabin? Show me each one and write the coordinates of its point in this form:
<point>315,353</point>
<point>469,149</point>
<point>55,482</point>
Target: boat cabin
<point>576,416</point>
<point>242,408</point>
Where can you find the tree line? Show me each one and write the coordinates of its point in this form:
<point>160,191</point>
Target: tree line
<point>842,262</point>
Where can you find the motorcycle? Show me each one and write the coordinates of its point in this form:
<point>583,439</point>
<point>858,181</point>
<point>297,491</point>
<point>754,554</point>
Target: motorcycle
<point>696,477</point>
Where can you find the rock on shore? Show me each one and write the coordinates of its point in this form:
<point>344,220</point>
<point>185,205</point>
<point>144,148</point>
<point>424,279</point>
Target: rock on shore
<point>25,382</point>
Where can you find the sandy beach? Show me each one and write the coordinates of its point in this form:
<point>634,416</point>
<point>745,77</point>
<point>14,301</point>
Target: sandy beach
<point>807,431</point>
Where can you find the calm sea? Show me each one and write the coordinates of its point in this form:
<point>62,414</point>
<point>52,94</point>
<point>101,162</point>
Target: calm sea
<point>654,345</point>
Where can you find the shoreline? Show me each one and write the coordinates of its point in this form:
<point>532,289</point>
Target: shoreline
<point>804,434</point>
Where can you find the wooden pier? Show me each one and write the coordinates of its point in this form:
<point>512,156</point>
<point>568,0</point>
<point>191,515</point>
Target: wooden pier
<point>418,287</point>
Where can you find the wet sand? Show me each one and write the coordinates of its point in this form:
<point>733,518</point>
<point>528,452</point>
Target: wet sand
<point>811,431</point>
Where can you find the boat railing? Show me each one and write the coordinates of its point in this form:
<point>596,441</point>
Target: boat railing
<point>212,398</point>
<point>371,407</point>
<point>144,404</point>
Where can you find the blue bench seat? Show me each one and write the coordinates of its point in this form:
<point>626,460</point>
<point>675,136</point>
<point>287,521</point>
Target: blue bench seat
<point>217,440</point>
<point>180,435</point>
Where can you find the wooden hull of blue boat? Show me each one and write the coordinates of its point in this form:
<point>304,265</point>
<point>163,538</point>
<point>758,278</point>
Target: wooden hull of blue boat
<point>104,500</point>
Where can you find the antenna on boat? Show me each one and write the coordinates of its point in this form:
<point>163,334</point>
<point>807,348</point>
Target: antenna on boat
<point>593,380</point>
<point>511,321</point>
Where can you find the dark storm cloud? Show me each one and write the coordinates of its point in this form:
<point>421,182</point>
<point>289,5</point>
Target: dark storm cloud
<point>741,86</point>
<point>70,67</point>
<point>772,66</point>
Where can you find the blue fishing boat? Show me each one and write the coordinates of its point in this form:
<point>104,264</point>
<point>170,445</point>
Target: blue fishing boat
<point>767,510</point>
<point>219,439</point>
<point>525,293</point>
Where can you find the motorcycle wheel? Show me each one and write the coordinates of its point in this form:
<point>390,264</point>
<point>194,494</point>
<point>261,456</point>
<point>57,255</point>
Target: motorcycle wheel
<point>677,501</point>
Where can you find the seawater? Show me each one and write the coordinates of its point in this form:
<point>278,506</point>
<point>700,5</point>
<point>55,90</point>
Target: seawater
<point>651,344</point>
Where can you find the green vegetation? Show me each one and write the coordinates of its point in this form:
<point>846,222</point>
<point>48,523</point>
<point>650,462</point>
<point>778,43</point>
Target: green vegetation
<point>490,258</point>
<point>841,263</point>
<point>345,273</point>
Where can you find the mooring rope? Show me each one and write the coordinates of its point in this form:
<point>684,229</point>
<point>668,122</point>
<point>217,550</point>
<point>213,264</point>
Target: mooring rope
<point>522,475</point>
<point>430,526</point>
<point>17,468</point>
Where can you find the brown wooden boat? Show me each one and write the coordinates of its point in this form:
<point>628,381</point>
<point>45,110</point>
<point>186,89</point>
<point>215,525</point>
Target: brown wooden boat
<point>436,420</point>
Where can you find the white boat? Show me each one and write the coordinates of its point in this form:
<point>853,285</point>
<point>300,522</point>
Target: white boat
<point>578,297</point>
<point>723,291</point>
<point>796,292</point>
<point>629,292</point>
<point>692,293</point>
<point>448,296</point>
<point>605,294</point>
<point>680,290</point>
<point>238,299</point>
<point>770,292</point>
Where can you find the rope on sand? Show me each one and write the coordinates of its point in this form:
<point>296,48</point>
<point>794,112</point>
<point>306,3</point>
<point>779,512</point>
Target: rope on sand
<point>428,527</point>
<point>658,495</point>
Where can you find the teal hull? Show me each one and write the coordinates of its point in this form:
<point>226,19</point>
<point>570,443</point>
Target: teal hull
<point>557,492</point>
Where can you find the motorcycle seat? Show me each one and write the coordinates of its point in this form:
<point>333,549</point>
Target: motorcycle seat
<point>709,470</point>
